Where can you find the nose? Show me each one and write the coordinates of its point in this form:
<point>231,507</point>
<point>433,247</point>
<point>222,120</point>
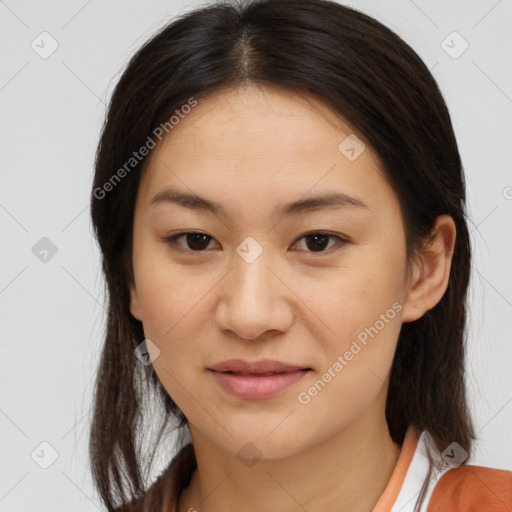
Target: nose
<point>255,300</point>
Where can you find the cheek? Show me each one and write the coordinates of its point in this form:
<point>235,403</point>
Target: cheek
<point>358,357</point>
<point>174,317</point>
<point>359,297</point>
<point>177,317</point>
<point>366,328</point>
<point>168,293</point>
<point>363,310</point>
<point>170,308</point>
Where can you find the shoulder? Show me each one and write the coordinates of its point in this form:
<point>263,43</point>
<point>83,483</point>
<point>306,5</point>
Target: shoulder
<point>470,488</point>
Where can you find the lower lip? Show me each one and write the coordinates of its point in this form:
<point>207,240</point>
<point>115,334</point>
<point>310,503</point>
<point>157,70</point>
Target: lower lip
<point>254,386</point>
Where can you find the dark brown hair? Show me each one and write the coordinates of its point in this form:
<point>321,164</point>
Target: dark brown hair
<point>372,79</point>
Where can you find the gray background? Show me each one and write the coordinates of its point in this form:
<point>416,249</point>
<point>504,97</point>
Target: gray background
<point>52,310</point>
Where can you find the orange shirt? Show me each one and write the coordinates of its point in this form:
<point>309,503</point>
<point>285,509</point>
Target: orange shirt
<point>464,488</point>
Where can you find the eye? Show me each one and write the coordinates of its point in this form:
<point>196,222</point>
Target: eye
<point>318,240</point>
<point>198,242</point>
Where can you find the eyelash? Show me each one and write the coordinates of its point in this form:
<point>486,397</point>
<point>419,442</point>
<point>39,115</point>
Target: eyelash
<point>172,240</point>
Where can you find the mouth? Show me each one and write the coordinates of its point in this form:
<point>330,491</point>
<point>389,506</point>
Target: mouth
<point>262,374</point>
<point>261,367</point>
<point>257,380</point>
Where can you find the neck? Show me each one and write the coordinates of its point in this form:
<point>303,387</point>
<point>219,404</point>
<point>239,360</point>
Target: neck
<point>347,471</point>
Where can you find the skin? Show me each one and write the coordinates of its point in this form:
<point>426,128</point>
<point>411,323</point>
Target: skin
<point>251,149</point>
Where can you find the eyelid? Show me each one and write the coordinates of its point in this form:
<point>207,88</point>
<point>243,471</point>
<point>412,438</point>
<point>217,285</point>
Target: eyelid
<point>341,241</point>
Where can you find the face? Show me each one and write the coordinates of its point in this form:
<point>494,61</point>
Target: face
<point>320,285</point>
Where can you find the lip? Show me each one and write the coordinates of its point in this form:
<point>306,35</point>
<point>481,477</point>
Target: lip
<point>261,366</point>
<point>251,380</point>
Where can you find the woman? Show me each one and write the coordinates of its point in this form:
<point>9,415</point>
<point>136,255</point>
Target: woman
<point>280,205</point>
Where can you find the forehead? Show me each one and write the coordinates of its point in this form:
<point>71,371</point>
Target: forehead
<point>257,121</point>
<point>262,143</point>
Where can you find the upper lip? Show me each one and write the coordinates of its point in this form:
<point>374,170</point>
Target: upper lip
<point>261,366</point>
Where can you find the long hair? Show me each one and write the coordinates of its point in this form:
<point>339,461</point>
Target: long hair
<point>373,80</point>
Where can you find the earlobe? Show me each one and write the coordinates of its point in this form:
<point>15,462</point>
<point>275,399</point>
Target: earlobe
<point>431,272</point>
<point>134,303</point>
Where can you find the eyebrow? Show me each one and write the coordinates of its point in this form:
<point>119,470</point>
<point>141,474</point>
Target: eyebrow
<point>328,200</point>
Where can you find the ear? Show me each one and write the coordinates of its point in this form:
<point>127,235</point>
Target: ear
<point>430,274</point>
<point>135,308</point>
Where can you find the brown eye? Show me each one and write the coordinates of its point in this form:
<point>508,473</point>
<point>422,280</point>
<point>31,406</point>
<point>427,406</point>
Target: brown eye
<point>197,241</point>
<point>318,241</point>
<point>194,241</point>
